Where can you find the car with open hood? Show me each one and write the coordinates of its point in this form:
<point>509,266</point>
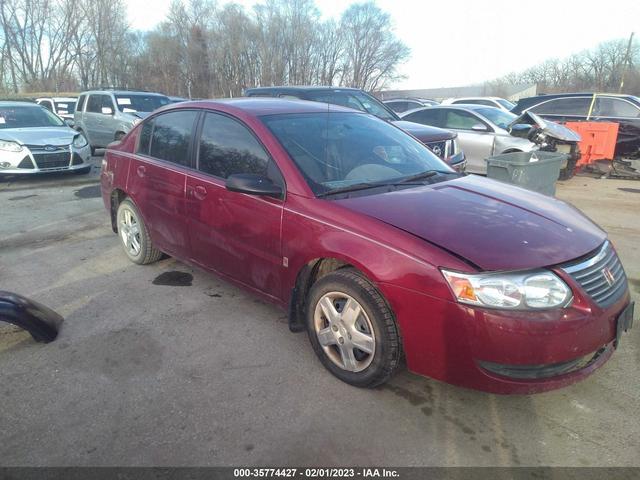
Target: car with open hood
<point>442,142</point>
<point>373,244</point>
<point>35,140</point>
<point>484,131</point>
<point>105,116</point>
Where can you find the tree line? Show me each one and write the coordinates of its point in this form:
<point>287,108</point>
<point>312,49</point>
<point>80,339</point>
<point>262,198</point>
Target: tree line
<point>598,69</point>
<point>200,50</point>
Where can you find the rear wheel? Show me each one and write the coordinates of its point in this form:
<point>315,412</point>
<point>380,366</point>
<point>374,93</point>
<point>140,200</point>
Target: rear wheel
<point>352,329</point>
<point>134,235</point>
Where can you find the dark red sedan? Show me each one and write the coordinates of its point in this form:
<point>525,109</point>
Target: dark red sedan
<point>373,244</point>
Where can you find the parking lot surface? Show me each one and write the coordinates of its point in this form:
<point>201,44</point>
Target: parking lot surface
<point>166,365</point>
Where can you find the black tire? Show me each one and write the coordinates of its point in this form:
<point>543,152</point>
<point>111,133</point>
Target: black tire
<point>147,252</point>
<point>93,151</point>
<point>386,356</point>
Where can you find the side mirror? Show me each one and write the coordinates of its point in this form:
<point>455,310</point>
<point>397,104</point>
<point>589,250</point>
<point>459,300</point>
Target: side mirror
<point>520,130</point>
<point>69,122</point>
<point>107,111</point>
<point>253,185</point>
<point>479,127</point>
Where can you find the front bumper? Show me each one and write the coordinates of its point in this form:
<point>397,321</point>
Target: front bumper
<point>484,349</point>
<point>32,161</point>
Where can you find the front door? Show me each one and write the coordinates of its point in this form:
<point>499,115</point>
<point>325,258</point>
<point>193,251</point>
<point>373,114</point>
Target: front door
<point>476,144</point>
<point>232,233</point>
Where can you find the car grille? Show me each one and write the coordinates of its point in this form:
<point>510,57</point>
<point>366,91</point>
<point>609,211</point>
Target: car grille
<point>52,160</point>
<point>439,148</point>
<point>601,275</point>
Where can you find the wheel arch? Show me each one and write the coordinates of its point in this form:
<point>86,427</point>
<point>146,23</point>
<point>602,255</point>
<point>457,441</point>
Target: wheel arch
<point>116,198</point>
<point>310,273</point>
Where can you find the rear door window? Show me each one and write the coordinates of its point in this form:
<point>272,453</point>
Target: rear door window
<point>573,106</point>
<point>431,116</point>
<point>227,147</point>
<point>80,104</point>
<point>615,107</point>
<point>171,136</point>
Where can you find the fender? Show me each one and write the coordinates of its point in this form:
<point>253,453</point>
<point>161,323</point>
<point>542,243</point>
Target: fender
<point>41,322</point>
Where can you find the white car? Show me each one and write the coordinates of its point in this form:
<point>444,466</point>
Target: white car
<point>34,140</point>
<point>497,102</point>
<point>64,107</point>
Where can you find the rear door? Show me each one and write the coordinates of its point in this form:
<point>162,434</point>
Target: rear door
<point>232,233</point>
<point>92,120</point>
<point>157,178</point>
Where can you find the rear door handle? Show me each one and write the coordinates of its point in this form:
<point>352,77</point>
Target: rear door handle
<point>141,171</point>
<point>199,192</point>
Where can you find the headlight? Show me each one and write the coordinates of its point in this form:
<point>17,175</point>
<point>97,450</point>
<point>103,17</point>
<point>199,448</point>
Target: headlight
<point>9,146</point>
<point>534,290</point>
<point>80,141</point>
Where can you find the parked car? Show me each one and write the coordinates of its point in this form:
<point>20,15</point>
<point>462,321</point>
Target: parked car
<point>497,102</point>
<point>105,116</point>
<point>442,142</point>
<point>486,131</point>
<point>64,107</point>
<point>34,140</point>
<point>372,243</point>
<point>605,107</point>
<point>400,105</point>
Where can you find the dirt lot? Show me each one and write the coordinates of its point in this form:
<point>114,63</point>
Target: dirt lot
<point>201,373</point>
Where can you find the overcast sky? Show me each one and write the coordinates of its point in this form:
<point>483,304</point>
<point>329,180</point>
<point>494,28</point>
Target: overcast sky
<point>458,42</point>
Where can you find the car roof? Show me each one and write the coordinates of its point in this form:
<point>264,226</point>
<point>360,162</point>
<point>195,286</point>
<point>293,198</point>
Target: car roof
<point>258,106</point>
<point>58,99</point>
<point>123,92</point>
<point>17,103</point>
<point>299,88</point>
<point>528,102</point>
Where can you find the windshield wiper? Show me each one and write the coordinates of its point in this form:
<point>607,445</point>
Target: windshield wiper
<point>423,175</point>
<point>350,188</point>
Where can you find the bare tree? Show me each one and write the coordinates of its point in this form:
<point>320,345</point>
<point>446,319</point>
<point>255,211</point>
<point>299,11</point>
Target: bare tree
<point>372,51</point>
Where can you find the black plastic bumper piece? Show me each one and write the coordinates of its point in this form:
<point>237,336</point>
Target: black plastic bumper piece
<point>41,322</point>
<point>530,372</point>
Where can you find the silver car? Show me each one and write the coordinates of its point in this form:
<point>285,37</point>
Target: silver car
<point>33,140</point>
<point>482,131</point>
<point>105,116</point>
<point>61,106</point>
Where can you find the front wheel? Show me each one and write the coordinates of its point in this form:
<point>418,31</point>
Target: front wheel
<point>352,329</point>
<point>134,235</point>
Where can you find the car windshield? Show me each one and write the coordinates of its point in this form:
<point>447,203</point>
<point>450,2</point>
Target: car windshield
<point>339,149</point>
<point>353,99</point>
<point>498,117</point>
<point>64,107</point>
<point>505,103</point>
<point>28,116</point>
<point>140,103</point>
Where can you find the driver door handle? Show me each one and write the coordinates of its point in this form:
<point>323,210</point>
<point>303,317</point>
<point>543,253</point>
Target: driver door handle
<point>199,192</point>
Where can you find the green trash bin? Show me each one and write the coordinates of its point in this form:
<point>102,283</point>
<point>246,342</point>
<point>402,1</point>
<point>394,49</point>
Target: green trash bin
<point>537,171</point>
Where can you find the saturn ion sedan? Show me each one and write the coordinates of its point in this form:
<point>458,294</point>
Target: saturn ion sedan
<point>35,140</point>
<point>373,244</point>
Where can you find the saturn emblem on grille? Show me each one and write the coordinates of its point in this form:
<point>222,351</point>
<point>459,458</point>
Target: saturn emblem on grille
<point>608,276</point>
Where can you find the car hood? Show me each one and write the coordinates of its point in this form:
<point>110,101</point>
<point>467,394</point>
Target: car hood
<point>552,129</point>
<point>424,133</point>
<point>493,225</point>
<point>39,135</point>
